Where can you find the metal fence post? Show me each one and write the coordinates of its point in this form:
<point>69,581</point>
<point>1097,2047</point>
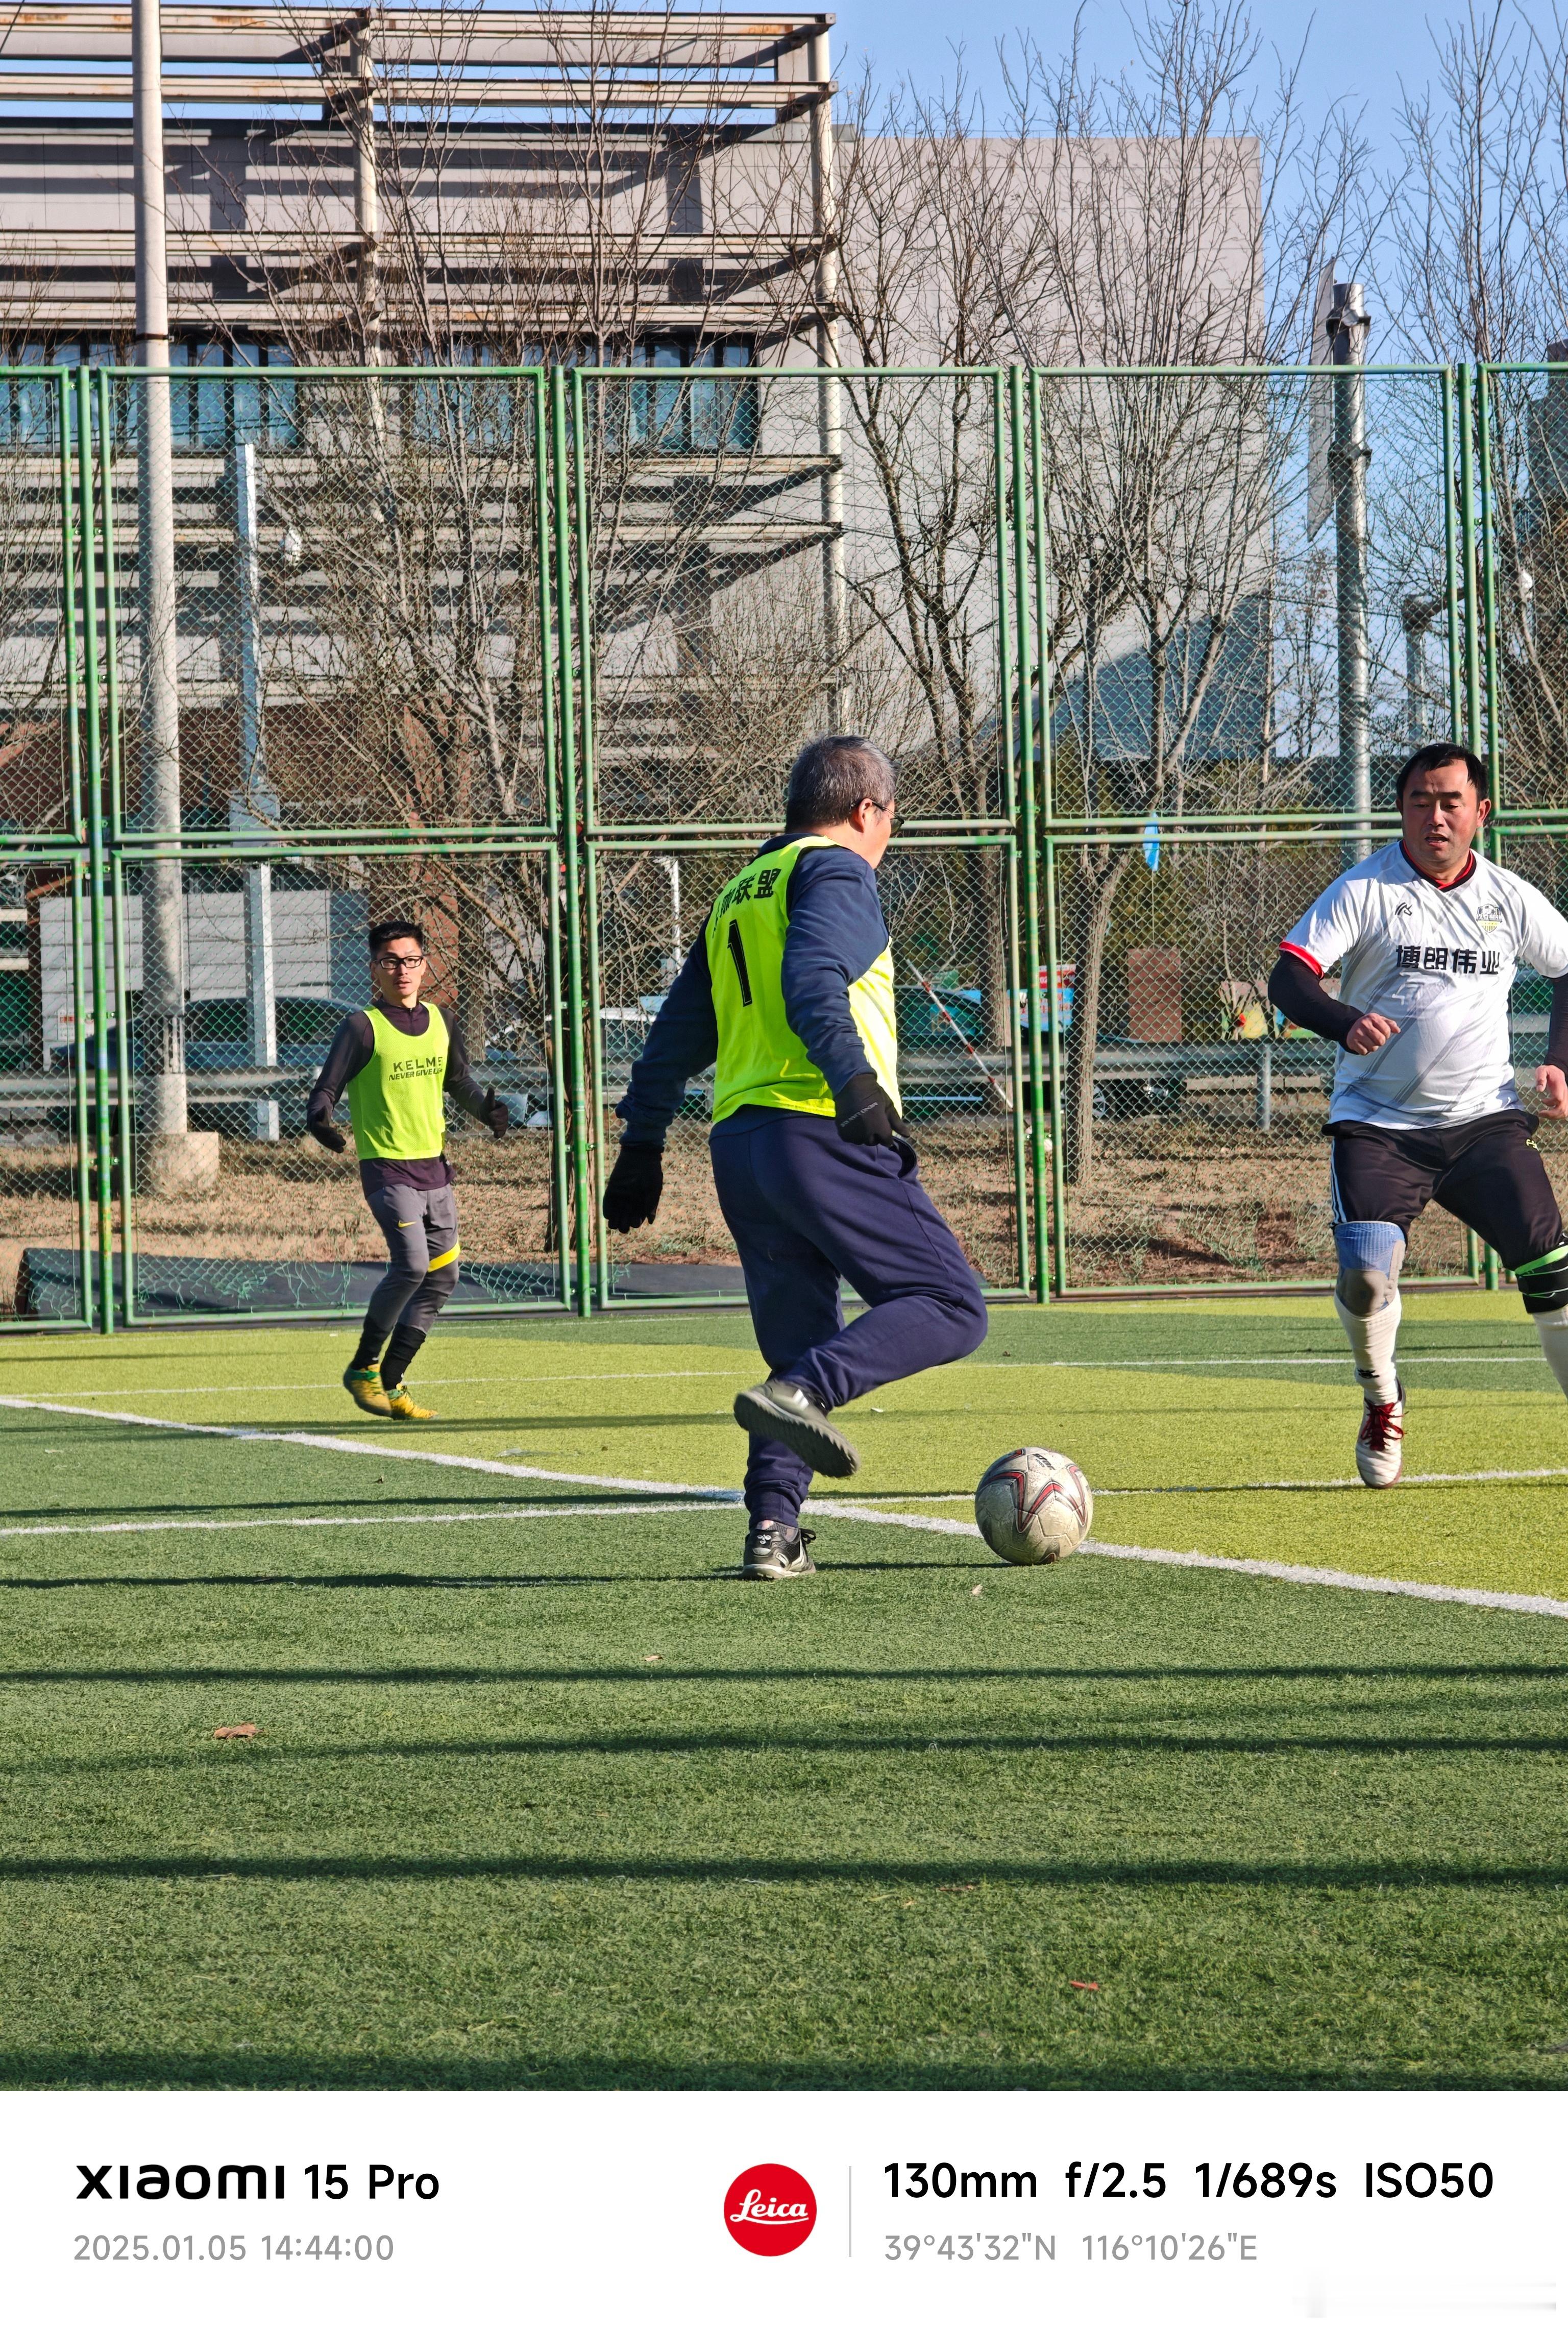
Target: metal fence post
<point>587,739</point>
<point>1452,562</point>
<point>549,670</point>
<point>1031,670</point>
<point>1054,1055</point>
<point>69,537</point>
<point>1469,561</point>
<point>114,777</point>
<point>1491,838</point>
<point>1009,666</point>
<point>1452,601</point>
<point>1048,867</point>
<point>1489,661</point>
<point>87,532</point>
<point>582,1228</point>
<point>1472,712</point>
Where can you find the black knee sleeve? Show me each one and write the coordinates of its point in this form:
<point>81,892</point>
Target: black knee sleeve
<point>1544,1284</point>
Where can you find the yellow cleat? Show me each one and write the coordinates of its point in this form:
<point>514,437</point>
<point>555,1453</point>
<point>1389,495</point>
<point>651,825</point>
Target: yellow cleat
<point>365,1385</point>
<point>400,1402</point>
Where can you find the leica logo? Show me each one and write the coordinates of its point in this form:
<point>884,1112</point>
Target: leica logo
<point>770,2208</point>
<point>753,2208</point>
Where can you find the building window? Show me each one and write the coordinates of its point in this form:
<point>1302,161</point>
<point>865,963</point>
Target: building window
<point>236,403</point>
<point>682,414</point>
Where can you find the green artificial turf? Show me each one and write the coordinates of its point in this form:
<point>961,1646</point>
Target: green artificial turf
<point>556,1801</point>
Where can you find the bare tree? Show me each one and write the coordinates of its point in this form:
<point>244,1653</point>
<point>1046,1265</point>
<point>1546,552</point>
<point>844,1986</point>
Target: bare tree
<point>1162,220</point>
<point>1479,268</point>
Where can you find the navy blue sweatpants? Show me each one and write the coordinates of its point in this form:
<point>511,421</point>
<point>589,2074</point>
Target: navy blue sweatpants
<point>806,1209</point>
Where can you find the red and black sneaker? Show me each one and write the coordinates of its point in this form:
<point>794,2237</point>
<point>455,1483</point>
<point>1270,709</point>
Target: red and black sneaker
<point>1380,1444</point>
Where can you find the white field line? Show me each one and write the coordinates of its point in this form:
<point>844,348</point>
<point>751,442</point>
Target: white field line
<point>981,1368</point>
<point>334,1384</point>
<point>1283,1361</point>
<point>1211,1490</point>
<point>346,1522</point>
<point>1181,1489</point>
<point>704,1497</point>
<point>380,1449</point>
<point>1299,1575</point>
<point>698,1490</point>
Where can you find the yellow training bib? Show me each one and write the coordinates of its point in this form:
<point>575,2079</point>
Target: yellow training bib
<point>395,1103</point>
<point>760,1057</point>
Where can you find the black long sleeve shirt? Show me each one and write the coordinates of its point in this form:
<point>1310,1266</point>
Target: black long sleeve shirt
<point>352,1048</point>
<point>836,931</point>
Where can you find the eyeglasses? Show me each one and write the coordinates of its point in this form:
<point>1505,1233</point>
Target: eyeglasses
<point>401,962</point>
<point>889,810</point>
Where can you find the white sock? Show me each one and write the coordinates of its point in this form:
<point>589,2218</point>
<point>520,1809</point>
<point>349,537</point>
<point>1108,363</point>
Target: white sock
<point>1371,1341</point>
<point>1554,1333</point>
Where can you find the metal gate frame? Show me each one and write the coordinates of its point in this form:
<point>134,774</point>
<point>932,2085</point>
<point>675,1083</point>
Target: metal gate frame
<point>1021,630</point>
<point>77,848</point>
<point>1033,832</point>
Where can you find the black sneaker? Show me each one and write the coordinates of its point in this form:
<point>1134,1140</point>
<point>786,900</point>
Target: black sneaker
<point>777,1550</point>
<point>782,1412</point>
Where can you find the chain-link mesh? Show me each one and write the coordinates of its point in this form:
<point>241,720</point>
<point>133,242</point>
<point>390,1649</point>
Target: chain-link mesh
<point>1252,617</point>
<point>774,557</point>
<point>356,586</point>
<point>771,558</point>
<point>1527,538</point>
<point>1251,601</point>
<point>236,1208</point>
<point>950,920</point>
<point>1254,586</point>
<point>46,1025</point>
<point>1540,858</point>
<point>39,790</point>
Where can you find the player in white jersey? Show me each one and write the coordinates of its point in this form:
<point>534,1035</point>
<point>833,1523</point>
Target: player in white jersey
<point>1428,935</point>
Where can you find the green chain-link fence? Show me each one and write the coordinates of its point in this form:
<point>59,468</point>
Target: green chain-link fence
<point>526,653</point>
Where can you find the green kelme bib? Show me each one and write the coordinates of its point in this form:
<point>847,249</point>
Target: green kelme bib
<point>760,1057</point>
<point>394,1102</point>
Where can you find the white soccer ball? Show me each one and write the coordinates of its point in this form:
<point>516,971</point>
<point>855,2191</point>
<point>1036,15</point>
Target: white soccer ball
<point>1033,1506</point>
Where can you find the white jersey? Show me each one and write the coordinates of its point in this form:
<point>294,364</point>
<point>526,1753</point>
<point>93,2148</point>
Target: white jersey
<point>1441,963</point>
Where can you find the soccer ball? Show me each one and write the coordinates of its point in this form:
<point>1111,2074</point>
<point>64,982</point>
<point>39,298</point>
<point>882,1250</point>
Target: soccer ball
<point>1033,1506</point>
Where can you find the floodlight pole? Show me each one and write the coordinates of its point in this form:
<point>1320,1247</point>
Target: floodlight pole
<point>162,1088</point>
<point>1347,325</point>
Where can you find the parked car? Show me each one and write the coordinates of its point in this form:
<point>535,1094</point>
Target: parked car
<point>935,1018</point>
<point>217,1033</point>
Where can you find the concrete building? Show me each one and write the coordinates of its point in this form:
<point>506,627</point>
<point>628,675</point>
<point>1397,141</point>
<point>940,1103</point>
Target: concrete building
<point>641,179</point>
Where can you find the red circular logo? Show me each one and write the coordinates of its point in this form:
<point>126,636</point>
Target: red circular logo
<point>770,2208</point>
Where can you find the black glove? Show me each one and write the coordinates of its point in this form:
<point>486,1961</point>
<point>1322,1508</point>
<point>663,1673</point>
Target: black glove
<point>497,1115</point>
<point>326,1133</point>
<point>865,1113</point>
<point>636,1186</point>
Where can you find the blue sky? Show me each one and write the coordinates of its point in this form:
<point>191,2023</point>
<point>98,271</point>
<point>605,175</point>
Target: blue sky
<point>1354,51</point>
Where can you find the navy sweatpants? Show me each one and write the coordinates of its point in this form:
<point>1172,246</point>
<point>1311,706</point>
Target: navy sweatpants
<point>807,1208</point>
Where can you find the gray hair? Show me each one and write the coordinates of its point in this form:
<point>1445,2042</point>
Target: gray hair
<point>832,776</point>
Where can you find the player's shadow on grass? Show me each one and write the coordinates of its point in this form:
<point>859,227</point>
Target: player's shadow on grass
<point>375,1434</point>
<point>263,2066</point>
<point>803,1742</point>
<point>1427,1874</point>
<point>725,1575</point>
<point>296,1513</point>
<point>671,1675</point>
<point>447,1581</point>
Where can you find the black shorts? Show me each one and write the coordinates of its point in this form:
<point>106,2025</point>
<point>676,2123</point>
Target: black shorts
<point>1488,1172</point>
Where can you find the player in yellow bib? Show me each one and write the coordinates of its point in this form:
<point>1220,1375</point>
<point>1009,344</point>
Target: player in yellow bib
<point>396,1064</point>
<point>790,993</point>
